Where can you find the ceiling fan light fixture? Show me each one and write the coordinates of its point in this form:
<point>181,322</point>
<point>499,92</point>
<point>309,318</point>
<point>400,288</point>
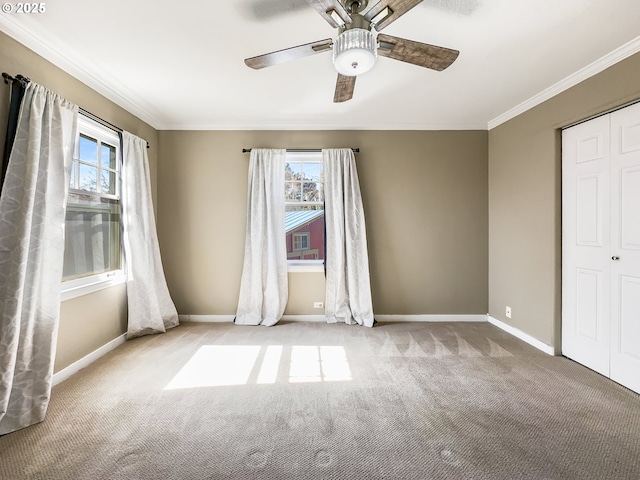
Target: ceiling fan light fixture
<point>355,52</point>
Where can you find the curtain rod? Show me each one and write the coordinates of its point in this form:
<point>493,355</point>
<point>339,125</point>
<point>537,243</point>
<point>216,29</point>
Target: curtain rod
<point>301,150</point>
<point>18,78</point>
<point>102,121</point>
<point>24,80</point>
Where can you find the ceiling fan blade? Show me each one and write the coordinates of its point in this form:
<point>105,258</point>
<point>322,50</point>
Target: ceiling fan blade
<point>332,11</point>
<point>396,8</point>
<point>421,54</point>
<point>344,88</point>
<point>293,53</point>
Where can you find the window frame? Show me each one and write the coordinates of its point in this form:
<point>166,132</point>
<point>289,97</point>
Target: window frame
<point>300,236</point>
<point>298,265</point>
<point>92,283</point>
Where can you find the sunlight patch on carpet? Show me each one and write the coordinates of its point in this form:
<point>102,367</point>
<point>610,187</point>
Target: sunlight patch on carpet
<point>215,366</point>
<point>229,365</point>
<point>270,365</point>
<point>319,364</point>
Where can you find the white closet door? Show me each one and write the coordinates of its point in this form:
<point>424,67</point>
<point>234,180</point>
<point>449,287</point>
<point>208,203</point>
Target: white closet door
<point>586,243</point>
<point>625,247</point>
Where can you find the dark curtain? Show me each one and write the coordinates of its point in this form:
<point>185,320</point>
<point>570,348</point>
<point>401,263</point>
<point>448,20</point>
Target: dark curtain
<point>18,87</point>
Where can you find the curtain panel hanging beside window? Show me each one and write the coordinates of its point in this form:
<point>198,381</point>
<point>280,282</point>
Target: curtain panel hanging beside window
<point>264,287</point>
<point>151,309</point>
<point>32,213</point>
<point>18,87</point>
<point>348,287</point>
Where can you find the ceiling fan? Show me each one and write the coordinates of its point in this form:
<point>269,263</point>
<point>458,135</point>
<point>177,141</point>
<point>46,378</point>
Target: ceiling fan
<point>358,44</point>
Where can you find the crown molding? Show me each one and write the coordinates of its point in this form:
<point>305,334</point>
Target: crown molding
<point>324,126</point>
<point>572,80</point>
<point>24,36</point>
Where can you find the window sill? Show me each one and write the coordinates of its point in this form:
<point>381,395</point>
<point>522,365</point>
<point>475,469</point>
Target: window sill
<point>95,283</point>
<point>305,266</point>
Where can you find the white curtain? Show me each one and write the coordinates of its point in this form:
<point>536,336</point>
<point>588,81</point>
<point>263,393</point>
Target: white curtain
<point>264,287</point>
<point>348,290</point>
<point>151,309</point>
<point>32,213</point>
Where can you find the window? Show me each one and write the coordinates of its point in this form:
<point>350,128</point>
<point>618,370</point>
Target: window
<point>304,208</point>
<point>300,241</point>
<point>93,247</point>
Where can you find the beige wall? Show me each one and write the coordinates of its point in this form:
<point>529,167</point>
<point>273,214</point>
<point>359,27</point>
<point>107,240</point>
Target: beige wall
<point>425,199</point>
<point>91,321</point>
<point>525,200</point>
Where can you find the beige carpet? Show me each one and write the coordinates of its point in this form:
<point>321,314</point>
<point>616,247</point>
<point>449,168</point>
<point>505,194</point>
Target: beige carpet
<point>311,400</point>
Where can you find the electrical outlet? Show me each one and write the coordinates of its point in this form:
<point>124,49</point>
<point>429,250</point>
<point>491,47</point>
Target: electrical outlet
<point>318,305</point>
<point>508,312</point>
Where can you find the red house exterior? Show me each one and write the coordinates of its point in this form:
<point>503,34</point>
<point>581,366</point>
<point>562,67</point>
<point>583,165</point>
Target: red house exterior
<point>305,234</point>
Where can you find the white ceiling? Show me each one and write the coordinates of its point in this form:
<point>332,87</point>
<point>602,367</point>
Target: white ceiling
<point>179,65</point>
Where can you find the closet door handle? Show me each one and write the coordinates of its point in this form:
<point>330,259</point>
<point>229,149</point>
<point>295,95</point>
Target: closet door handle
<point>615,258</point>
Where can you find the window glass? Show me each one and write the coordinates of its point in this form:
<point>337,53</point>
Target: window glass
<point>88,178</point>
<point>92,236</point>
<point>108,181</point>
<point>108,156</point>
<point>88,149</point>
<point>304,206</point>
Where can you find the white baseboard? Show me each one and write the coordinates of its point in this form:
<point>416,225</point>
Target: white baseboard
<point>543,347</point>
<point>206,318</point>
<point>229,318</point>
<point>322,318</point>
<point>431,318</point>
<point>87,360</point>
